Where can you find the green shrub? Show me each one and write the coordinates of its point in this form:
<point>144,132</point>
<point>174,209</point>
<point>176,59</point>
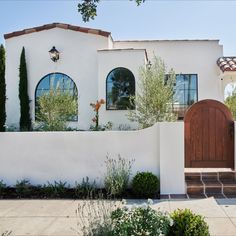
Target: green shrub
<point>117,176</point>
<point>85,189</point>
<point>145,184</point>
<point>187,223</point>
<point>23,188</point>
<point>2,187</point>
<point>141,220</point>
<point>58,189</point>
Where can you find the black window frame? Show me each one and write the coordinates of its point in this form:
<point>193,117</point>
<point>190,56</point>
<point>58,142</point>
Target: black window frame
<point>109,109</point>
<point>186,106</point>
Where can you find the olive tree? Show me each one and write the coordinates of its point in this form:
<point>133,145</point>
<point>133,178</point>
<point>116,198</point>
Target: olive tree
<point>154,95</point>
<point>55,108</point>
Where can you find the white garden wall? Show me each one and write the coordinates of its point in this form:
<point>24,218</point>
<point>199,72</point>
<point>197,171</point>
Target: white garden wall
<point>70,156</point>
<point>172,158</point>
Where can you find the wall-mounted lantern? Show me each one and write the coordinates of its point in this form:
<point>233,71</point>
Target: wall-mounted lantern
<point>54,54</point>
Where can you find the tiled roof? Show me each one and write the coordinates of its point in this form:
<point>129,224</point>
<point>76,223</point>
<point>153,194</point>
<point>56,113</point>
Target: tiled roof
<point>227,63</point>
<point>57,25</point>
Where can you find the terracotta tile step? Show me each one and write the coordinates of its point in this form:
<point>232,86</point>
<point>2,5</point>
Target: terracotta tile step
<point>210,176</point>
<point>195,190</point>
<point>192,176</point>
<point>229,189</point>
<point>224,176</point>
<point>213,190</point>
<point>212,183</point>
<point>194,183</point>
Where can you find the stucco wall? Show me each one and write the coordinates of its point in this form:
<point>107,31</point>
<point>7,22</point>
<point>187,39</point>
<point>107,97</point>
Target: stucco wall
<point>82,58</point>
<point>78,59</point>
<point>172,158</point>
<point>70,156</point>
<point>187,57</point>
<point>108,60</point>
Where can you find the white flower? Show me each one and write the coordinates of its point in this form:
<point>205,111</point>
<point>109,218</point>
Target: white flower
<point>171,222</point>
<point>150,201</point>
<point>123,202</point>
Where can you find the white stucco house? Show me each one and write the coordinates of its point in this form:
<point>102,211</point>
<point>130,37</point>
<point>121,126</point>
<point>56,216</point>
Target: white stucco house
<point>93,66</point>
<point>97,66</point>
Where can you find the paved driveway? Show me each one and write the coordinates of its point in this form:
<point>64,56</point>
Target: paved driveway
<point>57,217</point>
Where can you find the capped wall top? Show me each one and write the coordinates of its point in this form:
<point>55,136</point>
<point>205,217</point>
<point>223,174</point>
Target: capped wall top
<point>57,25</point>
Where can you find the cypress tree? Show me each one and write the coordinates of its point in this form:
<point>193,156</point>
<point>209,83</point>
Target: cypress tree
<point>2,90</point>
<point>25,120</point>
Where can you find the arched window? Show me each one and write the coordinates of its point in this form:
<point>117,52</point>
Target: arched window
<point>120,87</point>
<point>58,81</point>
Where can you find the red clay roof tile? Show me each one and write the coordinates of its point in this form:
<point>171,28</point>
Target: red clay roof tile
<point>227,63</point>
<point>57,25</point>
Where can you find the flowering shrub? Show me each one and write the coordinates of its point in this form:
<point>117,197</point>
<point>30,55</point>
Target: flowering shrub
<point>117,175</point>
<point>113,218</point>
<point>96,106</point>
<point>141,220</point>
<point>94,217</point>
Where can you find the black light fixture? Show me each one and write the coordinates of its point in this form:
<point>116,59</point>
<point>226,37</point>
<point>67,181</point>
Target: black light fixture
<point>54,54</point>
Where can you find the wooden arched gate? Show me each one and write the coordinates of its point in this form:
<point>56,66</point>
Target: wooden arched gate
<point>209,135</point>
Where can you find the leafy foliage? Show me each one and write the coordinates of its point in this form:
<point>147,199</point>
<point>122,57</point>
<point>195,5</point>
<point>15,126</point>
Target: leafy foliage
<point>2,90</point>
<point>231,103</point>
<point>154,95</point>
<point>25,120</point>
<point>140,221</point>
<point>145,184</point>
<point>85,189</point>
<point>55,108</point>
<point>57,189</point>
<point>117,176</point>
<point>88,8</point>
<point>187,223</point>
<point>23,188</point>
<point>2,187</point>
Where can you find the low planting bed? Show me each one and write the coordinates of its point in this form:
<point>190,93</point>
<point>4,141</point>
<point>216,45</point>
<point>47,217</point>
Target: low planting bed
<point>61,190</point>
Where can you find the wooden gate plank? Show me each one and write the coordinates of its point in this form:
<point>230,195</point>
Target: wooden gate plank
<point>209,135</point>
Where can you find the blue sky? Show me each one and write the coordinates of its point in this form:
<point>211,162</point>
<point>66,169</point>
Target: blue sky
<point>152,20</point>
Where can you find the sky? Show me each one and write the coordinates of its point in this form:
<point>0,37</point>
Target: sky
<point>154,19</point>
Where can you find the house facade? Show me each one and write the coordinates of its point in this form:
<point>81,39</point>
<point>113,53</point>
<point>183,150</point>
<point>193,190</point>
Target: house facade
<point>95,66</point>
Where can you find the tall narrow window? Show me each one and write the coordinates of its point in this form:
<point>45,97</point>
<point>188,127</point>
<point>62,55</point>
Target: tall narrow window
<point>120,89</point>
<point>56,81</point>
<point>185,93</point>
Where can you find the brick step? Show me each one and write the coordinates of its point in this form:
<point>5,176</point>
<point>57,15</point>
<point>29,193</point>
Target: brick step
<point>210,183</point>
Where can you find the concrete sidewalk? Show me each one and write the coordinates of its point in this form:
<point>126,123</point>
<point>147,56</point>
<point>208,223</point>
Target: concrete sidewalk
<point>58,218</point>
